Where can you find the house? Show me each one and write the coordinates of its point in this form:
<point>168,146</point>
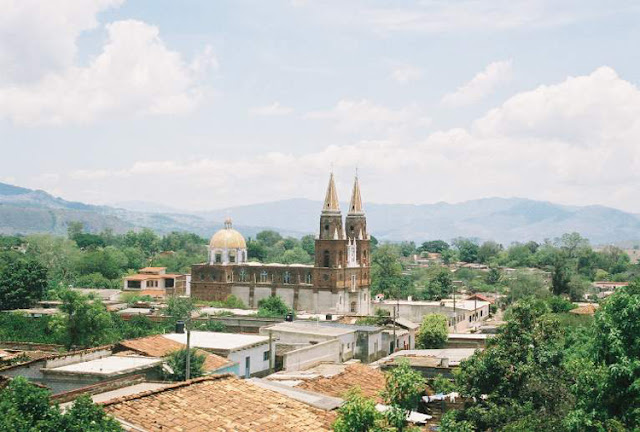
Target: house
<point>64,372</point>
<point>253,354</point>
<point>364,342</point>
<point>315,335</point>
<point>429,362</point>
<point>159,346</point>
<point>156,282</point>
<point>335,380</point>
<point>460,314</point>
<point>221,402</point>
<point>609,286</point>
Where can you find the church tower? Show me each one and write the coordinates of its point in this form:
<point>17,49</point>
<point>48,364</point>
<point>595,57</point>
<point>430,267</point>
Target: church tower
<point>330,244</point>
<point>356,227</point>
<point>341,271</point>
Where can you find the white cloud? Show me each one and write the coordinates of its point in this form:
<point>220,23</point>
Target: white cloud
<point>435,16</point>
<point>135,74</point>
<point>39,36</point>
<point>406,73</point>
<point>274,109</point>
<point>481,85</point>
<point>572,142</point>
<point>364,115</point>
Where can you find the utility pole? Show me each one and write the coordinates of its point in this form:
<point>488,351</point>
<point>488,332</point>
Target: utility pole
<point>187,374</point>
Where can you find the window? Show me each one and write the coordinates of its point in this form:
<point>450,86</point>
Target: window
<point>218,257</point>
<point>243,275</point>
<point>265,355</point>
<point>353,306</point>
<point>263,277</point>
<point>201,276</point>
<point>340,257</point>
<point>325,277</point>
<point>133,284</point>
<point>327,258</point>
<point>169,283</point>
<point>326,227</point>
<point>287,277</point>
<point>232,258</point>
<point>308,278</point>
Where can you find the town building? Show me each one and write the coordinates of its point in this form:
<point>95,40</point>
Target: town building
<point>252,353</point>
<point>157,283</point>
<point>217,403</point>
<point>461,314</point>
<point>338,281</point>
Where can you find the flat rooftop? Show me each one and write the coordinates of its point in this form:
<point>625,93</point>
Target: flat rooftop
<point>311,329</point>
<point>219,341</point>
<point>108,365</point>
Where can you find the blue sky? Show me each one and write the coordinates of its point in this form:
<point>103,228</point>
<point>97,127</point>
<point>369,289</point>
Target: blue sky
<point>200,104</point>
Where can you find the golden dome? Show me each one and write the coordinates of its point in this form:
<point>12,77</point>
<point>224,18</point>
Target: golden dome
<point>227,238</point>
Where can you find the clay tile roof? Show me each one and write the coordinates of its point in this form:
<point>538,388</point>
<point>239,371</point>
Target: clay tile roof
<point>218,403</point>
<point>371,382</point>
<point>584,310</point>
<point>160,346</point>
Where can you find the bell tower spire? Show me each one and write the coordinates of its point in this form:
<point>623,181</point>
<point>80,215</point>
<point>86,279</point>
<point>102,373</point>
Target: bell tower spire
<point>355,207</point>
<point>331,203</point>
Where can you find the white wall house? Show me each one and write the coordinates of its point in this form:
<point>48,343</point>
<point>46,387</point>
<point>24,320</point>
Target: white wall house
<point>251,352</point>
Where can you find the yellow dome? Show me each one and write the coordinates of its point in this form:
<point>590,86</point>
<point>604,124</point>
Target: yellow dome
<point>227,238</point>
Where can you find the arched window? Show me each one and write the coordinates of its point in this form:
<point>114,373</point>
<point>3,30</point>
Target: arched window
<point>308,278</point>
<point>243,275</point>
<point>263,277</point>
<point>287,277</point>
<point>327,259</point>
<point>353,306</point>
<point>218,257</point>
<point>340,257</point>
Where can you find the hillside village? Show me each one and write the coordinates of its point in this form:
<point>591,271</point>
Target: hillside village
<point>217,344</point>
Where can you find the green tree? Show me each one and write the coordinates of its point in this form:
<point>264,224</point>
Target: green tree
<point>467,249</point>
<point>434,246</point>
<point>488,251</point>
<point>273,306</point>
<point>58,254</point>
<point>27,408</point>
<point>357,414</point>
<point>256,250</point>
<point>439,284</point>
<point>179,308</point>
<point>22,281</point>
<point>386,271</point>
<point>268,238</point>
<point>522,373</point>
<point>308,243</point>
<point>525,284</point>
<point>297,255</point>
<point>560,273</point>
<point>84,322</point>
<point>74,228</point>
<point>403,387</point>
<point>493,276</point>
<point>433,332</point>
<point>177,361</point>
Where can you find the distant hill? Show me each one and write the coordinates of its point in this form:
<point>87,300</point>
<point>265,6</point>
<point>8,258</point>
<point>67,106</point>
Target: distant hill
<point>502,219</point>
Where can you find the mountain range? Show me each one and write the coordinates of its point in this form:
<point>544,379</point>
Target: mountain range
<point>505,220</point>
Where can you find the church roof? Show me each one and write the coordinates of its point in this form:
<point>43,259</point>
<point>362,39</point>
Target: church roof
<point>355,207</point>
<point>331,203</point>
<point>227,238</point>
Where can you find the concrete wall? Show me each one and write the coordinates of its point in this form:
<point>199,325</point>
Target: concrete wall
<point>305,300</point>
<point>286,294</point>
<point>326,301</point>
<point>260,293</point>
<point>310,356</point>
<point>242,292</point>
<point>257,364</point>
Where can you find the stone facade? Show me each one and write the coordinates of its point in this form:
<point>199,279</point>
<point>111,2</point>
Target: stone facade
<point>338,282</point>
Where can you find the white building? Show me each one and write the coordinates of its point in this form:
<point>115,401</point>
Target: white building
<point>252,352</point>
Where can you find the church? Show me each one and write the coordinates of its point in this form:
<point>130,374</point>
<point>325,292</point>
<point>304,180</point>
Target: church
<point>338,282</point>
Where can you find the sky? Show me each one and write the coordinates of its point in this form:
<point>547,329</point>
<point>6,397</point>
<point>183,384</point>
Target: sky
<point>200,105</point>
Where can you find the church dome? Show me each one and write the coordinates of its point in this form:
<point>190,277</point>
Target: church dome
<point>227,238</point>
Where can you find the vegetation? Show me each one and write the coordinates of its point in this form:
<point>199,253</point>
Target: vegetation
<point>273,307</point>
<point>22,281</point>
<point>177,361</point>
<point>540,374</point>
<point>403,390</point>
<point>25,408</point>
<point>433,332</point>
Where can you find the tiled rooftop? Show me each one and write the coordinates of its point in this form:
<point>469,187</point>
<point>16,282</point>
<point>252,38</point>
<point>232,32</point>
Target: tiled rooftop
<point>160,346</point>
<point>220,403</point>
<point>371,382</point>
